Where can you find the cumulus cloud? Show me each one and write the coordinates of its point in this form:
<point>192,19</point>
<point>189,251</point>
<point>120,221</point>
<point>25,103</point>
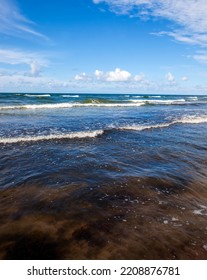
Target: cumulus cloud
<point>99,74</point>
<point>116,75</point>
<point>14,23</point>
<point>170,78</point>
<point>18,82</point>
<point>190,16</point>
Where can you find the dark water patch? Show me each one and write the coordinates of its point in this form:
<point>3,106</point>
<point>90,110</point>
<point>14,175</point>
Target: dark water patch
<point>135,218</point>
<point>36,246</point>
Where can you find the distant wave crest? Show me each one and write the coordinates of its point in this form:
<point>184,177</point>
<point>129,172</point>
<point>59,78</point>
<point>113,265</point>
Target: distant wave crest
<point>69,96</point>
<point>101,102</point>
<point>37,95</point>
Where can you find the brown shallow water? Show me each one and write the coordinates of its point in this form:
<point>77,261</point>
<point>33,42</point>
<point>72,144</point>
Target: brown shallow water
<point>136,218</point>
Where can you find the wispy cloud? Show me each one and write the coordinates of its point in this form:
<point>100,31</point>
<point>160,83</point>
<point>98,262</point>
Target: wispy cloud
<point>184,78</point>
<point>200,56</point>
<point>10,56</point>
<point>34,61</point>
<point>14,23</point>
<point>189,16</point>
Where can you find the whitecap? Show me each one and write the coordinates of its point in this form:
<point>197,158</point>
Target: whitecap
<point>144,127</point>
<point>72,135</point>
<point>68,105</point>
<point>183,120</point>
<point>192,119</point>
<point>37,95</point>
<point>69,96</point>
<point>166,102</point>
<point>193,98</point>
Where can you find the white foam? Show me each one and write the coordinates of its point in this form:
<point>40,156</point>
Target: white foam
<point>194,98</point>
<point>37,106</point>
<point>72,135</point>
<point>37,95</point>
<point>110,105</point>
<point>183,120</point>
<point>167,102</point>
<point>68,96</point>
<point>68,105</point>
<point>144,127</point>
<point>193,119</point>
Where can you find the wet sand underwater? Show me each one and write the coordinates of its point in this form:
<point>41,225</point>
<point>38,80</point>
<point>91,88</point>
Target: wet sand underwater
<point>139,218</point>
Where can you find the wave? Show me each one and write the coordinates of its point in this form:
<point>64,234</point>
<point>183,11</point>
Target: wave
<point>166,102</point>
<point>95,133</point>
<point>144,127</point>
<point>193,98</point>
<point>156,96</point>
<point>37,95</point>
<point>183,120</point>
<point>193,119</point>
<point>37,106</point>
<point>100,103</point>
<point>72,135</point>
<point>68,105</point>
<point>68,96</point>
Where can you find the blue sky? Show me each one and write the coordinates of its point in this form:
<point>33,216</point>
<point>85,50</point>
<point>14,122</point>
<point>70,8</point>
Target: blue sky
<point>103,46</point>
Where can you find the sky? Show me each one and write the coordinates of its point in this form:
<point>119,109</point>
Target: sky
<point>103,46</point>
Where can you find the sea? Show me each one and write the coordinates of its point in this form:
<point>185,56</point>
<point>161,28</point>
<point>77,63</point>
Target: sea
<point>103,176</point>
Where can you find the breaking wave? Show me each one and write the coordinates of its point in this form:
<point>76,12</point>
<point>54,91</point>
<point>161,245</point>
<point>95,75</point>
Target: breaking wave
<point>95,133</point>
<point>37,95</point>
<point>72,135</point>
<point>69,105</point>
<point>166,102</point>
<point>100,103</point>
<point>69,96</point>
<point>184,120</point>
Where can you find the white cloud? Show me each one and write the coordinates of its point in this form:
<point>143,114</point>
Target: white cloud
<point>170,78</point>
<point>35,68</point>
<point>200,57</point>
<point>99,74</point>
<point>15,57</point>
<point>184,78</point>
<point>18,82</point>
<point>116,75</point>
<point>190,16</point>
<point>13,22</point>
<point>82,77</point>
<point>139,77</point>
<point>10,56</point>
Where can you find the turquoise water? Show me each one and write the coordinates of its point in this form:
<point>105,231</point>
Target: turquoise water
<point>87,176</point>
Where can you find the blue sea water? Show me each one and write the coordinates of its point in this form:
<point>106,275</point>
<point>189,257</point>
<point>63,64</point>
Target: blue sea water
<point>88,176</point>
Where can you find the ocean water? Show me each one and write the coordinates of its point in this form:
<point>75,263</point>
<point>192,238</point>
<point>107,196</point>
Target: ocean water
<point>85,176</point>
